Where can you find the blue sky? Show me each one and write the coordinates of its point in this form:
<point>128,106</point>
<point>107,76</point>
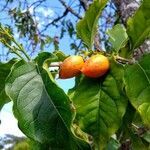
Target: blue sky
<point>9,123</point>
<point>47,11</point>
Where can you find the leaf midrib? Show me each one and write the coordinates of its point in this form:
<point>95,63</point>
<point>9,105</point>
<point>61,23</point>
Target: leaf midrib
<point>38,70</point>
<point>142,69</point>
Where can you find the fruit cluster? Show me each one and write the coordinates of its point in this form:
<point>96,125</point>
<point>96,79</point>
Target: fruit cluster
<point>94,67</point>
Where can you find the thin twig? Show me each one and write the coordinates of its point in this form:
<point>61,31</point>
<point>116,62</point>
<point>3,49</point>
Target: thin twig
<point>55,20</point>
<point>124,60</point>
<point>70,9</point>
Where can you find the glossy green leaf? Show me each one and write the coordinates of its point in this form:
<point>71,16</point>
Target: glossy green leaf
<point>86,27</point>
<point>100,104</point>
<point>138,27</point>
<point>4,71</point>
<point>42,108</point>
<point>118,37</point>
<point>137,81</point>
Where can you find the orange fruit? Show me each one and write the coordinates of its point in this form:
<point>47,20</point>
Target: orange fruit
<point>96,66</point>
<point>71,67</point>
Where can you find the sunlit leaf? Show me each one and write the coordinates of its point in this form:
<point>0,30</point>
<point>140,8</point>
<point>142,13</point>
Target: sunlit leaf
<point>138,27</point>
<point>117,37</point>
<point>86,27</point>
<point>100,104</point>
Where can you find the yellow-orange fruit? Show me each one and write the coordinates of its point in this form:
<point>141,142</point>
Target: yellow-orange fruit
<point>95,66</point>
<point>71,67</point>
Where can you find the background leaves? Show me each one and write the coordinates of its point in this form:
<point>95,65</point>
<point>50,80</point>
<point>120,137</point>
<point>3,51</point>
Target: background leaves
<point>137,81</point>
<point>138,27</point>
<point>4,71</point>
<point>86,27</point>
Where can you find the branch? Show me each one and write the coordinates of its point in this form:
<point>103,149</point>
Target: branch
<point>55,20</point>
<point>84,4</point>
<point>97,41</point>
<point>37,2</point>
<point>70,9</point>
<point>5,6</point>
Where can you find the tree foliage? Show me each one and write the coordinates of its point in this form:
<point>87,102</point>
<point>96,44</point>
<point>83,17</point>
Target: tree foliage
<point>109,112</point>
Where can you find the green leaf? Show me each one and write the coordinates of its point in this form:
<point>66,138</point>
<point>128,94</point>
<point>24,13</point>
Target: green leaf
<point>61,56</point>
<point>100,104</point>
<point>113,144</point>
<point>137,143</point>
<point>42,57</point>
<point>4,71</point>
<point>118,37</point>
<point>86,27</point>
<point>42,108</point>
<point>137,81</point>
<point>146,136</point>
<point>138,27</point>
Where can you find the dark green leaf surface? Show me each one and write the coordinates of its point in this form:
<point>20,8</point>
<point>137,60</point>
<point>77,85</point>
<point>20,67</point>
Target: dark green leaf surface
<point>86,28</point>
<point>117,37</point>
<point>100,104</point>
<point>4,71</point>
<point>138,27</point>
<point>42,108</point>
<point>137,81</point>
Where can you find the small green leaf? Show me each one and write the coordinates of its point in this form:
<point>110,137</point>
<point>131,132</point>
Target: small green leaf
<point>42,108</point>
<point>146,136</point>
<point>117,37</point>
<point>86,28</point>
<point>42,57</point>
<point>137,82</point>
<point>138,27</point>
<point>61,56</point>
<point>113,144</point>
<point>4,71</point>
<point>100,104</point>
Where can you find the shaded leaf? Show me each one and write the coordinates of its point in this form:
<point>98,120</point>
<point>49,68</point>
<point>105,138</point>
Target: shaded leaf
<point>137,81</point>
<point>86,28</point>
<point>42,108</point>
<point>117,37</point>
<point>138,27</point>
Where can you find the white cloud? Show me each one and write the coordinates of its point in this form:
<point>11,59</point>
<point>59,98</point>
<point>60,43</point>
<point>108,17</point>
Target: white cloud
<point>8,123</point>
<point>31,9</point>
<point>47,12</point>
<point>37,18</point>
